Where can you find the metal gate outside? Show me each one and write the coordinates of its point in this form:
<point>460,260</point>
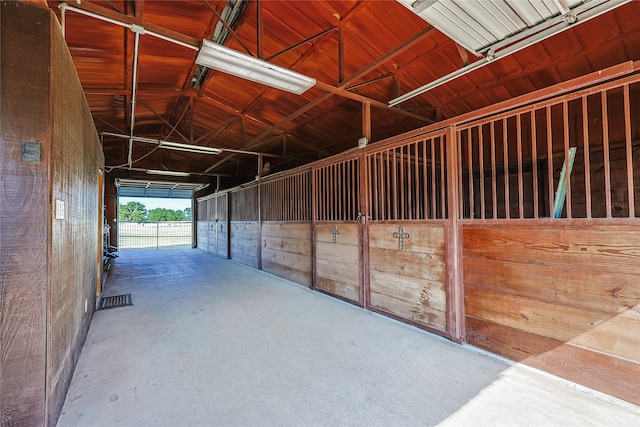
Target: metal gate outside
<point>155,235</point>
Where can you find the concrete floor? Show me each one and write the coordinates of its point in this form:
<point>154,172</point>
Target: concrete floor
<point>209,342</point>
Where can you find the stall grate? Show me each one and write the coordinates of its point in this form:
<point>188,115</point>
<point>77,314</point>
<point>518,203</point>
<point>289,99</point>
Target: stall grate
<point>115,301</point>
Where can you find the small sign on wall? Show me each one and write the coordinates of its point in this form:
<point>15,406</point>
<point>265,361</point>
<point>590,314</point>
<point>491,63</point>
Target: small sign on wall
<point>59,209</point>
<point>31,151</point>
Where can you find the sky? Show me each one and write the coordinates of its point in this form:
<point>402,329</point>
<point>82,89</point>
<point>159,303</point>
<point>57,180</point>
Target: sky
<point>152,203</point>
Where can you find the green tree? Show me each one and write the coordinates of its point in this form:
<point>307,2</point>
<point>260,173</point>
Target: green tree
<point>187,213</point>
<point>162,214</point>
<point>133,212</point>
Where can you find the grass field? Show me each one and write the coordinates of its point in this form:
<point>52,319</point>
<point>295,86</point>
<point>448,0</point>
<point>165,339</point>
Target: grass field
<point>155,235</point>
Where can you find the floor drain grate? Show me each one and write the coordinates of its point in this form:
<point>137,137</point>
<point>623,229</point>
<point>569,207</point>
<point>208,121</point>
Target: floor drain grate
<point>115,301</point>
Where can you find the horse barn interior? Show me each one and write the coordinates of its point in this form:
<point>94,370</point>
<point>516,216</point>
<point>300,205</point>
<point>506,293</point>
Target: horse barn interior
<point>469,168</point>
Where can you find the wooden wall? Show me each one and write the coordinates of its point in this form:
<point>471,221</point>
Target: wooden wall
<point>49,266</point>
<point>24,212</point>
<point>408,275</point>
<point>286,250</point>
<point>563,298</point>
<point>337,258</point>
<point>76,239</point>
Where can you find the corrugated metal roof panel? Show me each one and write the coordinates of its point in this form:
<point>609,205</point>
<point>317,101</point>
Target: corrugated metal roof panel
<point>477,25</point>
<point>159,189</point>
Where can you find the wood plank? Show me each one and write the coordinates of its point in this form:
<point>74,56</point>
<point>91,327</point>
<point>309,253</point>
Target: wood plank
<point>605,291</point>
<point>412,265</point>
<point>599,248</point>
<point>423,238</point>
<point>413,311</point>
<point>349,233</point>
<point>428,293</point>
<point>298,276</point>
<point>284,244</point>
<point>287,230</point>
<point>615,376</point>
<point>342,288</point>
<point>613,335</point>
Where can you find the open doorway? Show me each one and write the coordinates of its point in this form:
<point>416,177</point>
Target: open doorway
<point>155,223</point>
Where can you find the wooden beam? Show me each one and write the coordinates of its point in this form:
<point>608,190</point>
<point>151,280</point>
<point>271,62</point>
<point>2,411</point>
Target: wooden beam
<point>102,11</point>
<point>259,28</point>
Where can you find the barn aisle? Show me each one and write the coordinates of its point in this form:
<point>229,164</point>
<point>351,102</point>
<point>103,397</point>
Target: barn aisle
<point>209,342</point>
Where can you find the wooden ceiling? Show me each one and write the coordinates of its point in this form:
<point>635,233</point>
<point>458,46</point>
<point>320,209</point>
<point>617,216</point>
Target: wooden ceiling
<point>358,51</point>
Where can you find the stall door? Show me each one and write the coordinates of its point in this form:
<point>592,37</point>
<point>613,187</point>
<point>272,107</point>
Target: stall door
<point>338,231</point>
<point>406,232</point>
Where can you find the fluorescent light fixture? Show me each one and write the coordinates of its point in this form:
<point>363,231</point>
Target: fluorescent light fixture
<point>189,148</point>
<point>169,173</point>
<point>218,57</point>
<point>200,149</point>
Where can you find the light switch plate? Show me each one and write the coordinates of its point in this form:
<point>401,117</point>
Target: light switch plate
<point>59,209</point>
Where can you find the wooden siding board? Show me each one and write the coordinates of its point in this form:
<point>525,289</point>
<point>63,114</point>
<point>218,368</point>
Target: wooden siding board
<point>562,287</point>
<point>609,335</point>
<point>615,376</point>
<point>613,294</point>
<point>614,248</point>
<point>286,251</point>
<point>409,283</point>
<point>337,264</point>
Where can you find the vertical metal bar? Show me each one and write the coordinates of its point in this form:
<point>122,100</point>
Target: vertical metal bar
<point>605,143</point>
<point>460,167</point>
<point>505,145</point>
<point>550,160</point>
<point>520,180</point>
<point>587,154</point>
<point>443,186</point>
<point>472,213</point>
<point>375,202</point>
<point>434,213</point>
<point>409,178</point>
<point>386,199</point>
<point>481,162</point>
<point>629,149</point>
<point>494,178</point>
<point>416,173</point>
<point>402,188</point>
<point>426,181</point>
<point>534,163</point>
<point>565,132</point>
<point>394,185</point>
<point>363,235</point>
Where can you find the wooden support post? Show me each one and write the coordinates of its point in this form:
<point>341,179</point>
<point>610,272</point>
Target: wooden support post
<point>363,190</point>
<point>455,287</point>
<point>366,121</point>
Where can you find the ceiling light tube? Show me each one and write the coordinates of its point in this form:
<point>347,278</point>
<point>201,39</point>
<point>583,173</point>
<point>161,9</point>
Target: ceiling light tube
<point>169,173</point>
<point>221,58</point>
<point>188,147</point>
